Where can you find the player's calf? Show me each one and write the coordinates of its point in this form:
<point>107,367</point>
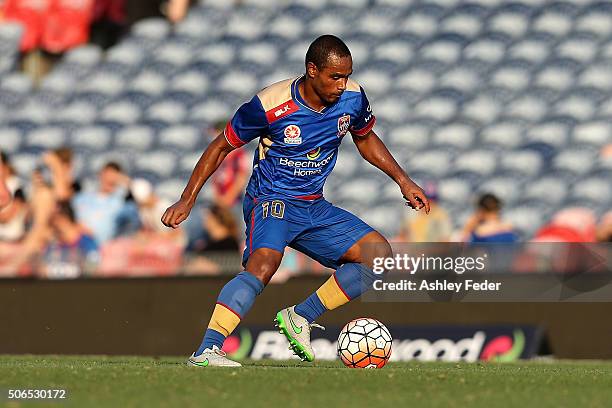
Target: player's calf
<point>237,297</point>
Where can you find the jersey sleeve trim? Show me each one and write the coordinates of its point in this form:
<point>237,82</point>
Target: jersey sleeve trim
<point>276,94</point>
<point>364,131</point>
<point>352,86</point>
<point>231,136</point>
<point>281,111</point>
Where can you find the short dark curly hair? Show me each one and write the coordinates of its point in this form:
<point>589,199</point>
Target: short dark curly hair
<point>323,47</point>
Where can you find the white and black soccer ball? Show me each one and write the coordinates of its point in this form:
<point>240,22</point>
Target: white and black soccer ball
<point>364,343</point>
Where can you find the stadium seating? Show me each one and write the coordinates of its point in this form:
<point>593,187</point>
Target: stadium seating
<point>10,34</point>
<point>511,98</point>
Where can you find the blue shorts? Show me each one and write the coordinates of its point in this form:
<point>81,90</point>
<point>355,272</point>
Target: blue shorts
<point>314,227</point>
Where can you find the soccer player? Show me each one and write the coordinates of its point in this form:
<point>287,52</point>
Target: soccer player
<point>300,124</point>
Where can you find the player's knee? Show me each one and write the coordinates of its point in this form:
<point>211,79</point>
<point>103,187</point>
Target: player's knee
<point>372,246</point>
<point>263,264</point>
<point>381,250</point>
<point>377,250</point>
<point>263,271</point>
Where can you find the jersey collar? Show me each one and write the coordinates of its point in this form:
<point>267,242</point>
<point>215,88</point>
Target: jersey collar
<point>295,94</point>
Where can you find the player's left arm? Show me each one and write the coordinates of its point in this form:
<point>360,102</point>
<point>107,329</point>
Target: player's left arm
<point>376,153</point>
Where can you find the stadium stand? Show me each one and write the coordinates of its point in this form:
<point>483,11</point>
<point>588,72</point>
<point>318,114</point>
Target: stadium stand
<point>510,98</point>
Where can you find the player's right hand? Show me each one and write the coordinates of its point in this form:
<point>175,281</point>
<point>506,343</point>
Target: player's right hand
<point>176,213</point>
<point>415,196</point>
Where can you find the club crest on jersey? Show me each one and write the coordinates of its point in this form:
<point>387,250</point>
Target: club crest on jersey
<point>292,134</point>
<point>314,154</point>
<point>344,122</point>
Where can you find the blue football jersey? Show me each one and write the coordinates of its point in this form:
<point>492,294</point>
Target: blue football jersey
<point>298,146</point>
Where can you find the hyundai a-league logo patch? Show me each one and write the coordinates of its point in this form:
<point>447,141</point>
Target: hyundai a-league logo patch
<point>344,122</point>
<point>292,135</point>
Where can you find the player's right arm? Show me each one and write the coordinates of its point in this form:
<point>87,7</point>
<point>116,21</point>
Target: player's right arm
<point>210,160</point>
<point>248,123</point>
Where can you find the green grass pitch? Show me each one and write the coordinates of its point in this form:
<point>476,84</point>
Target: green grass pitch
<point>99,381</point>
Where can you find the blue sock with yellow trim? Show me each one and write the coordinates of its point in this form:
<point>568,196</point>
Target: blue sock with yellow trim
<point>348,282</point>
<point>311,308</point>
<point>234,301</point>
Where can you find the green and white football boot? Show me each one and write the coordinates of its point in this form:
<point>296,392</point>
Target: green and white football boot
<point>212,358</point>
<point>297,331</point>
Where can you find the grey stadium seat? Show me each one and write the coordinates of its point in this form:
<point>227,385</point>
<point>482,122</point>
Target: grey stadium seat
<point>578,162</point>
<point>10,139</point>
<point>159,162</point>
<point>597,190</point>
<point>524,162</point>
<point>548,189</point>
<point>455,190</point>
<point>94,137</point>
<point>457,135</point>
<point>183,137</point>
<point>596,133</point>
<point>46,137</point>
<point>137,137</point>
<point>437,162</point>
<point>124,112</point>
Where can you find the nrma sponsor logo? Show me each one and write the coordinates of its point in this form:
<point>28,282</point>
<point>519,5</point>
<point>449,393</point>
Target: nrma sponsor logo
<point>271,345</point>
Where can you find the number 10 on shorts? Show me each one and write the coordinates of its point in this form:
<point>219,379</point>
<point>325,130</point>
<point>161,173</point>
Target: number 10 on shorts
<point>274,208</point>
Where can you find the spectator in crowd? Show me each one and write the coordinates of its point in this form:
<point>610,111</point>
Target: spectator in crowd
<point>222,238</point>
<point>231,177</point>
<point>60,164</point>
<point>150,208</point>
<point>18,256</point>
<point>71,249</point>
<point>109,22</point>
<point>13,212</point>
<point>176,10</point>
<point>5,194</point>
<point>14,217</point>
<point>606,152</point>
<point>433,227</point>
<point>572,224</point>
<point>128,220</point>
<point>8,175</point>
<point>604,230</point>
<point>221,230</point>
<point>486,224</point>
<point>99,210</point>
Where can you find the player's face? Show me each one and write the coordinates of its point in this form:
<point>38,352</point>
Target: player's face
<point>330,81</point>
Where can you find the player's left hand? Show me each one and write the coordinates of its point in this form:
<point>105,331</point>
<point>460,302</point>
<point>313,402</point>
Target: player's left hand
<point>415,196</point>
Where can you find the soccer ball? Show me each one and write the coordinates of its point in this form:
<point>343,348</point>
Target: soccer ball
<point>364,343</point>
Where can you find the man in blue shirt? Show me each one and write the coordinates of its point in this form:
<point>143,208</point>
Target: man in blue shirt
<point>98,210</point>
<point>299,124</point>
